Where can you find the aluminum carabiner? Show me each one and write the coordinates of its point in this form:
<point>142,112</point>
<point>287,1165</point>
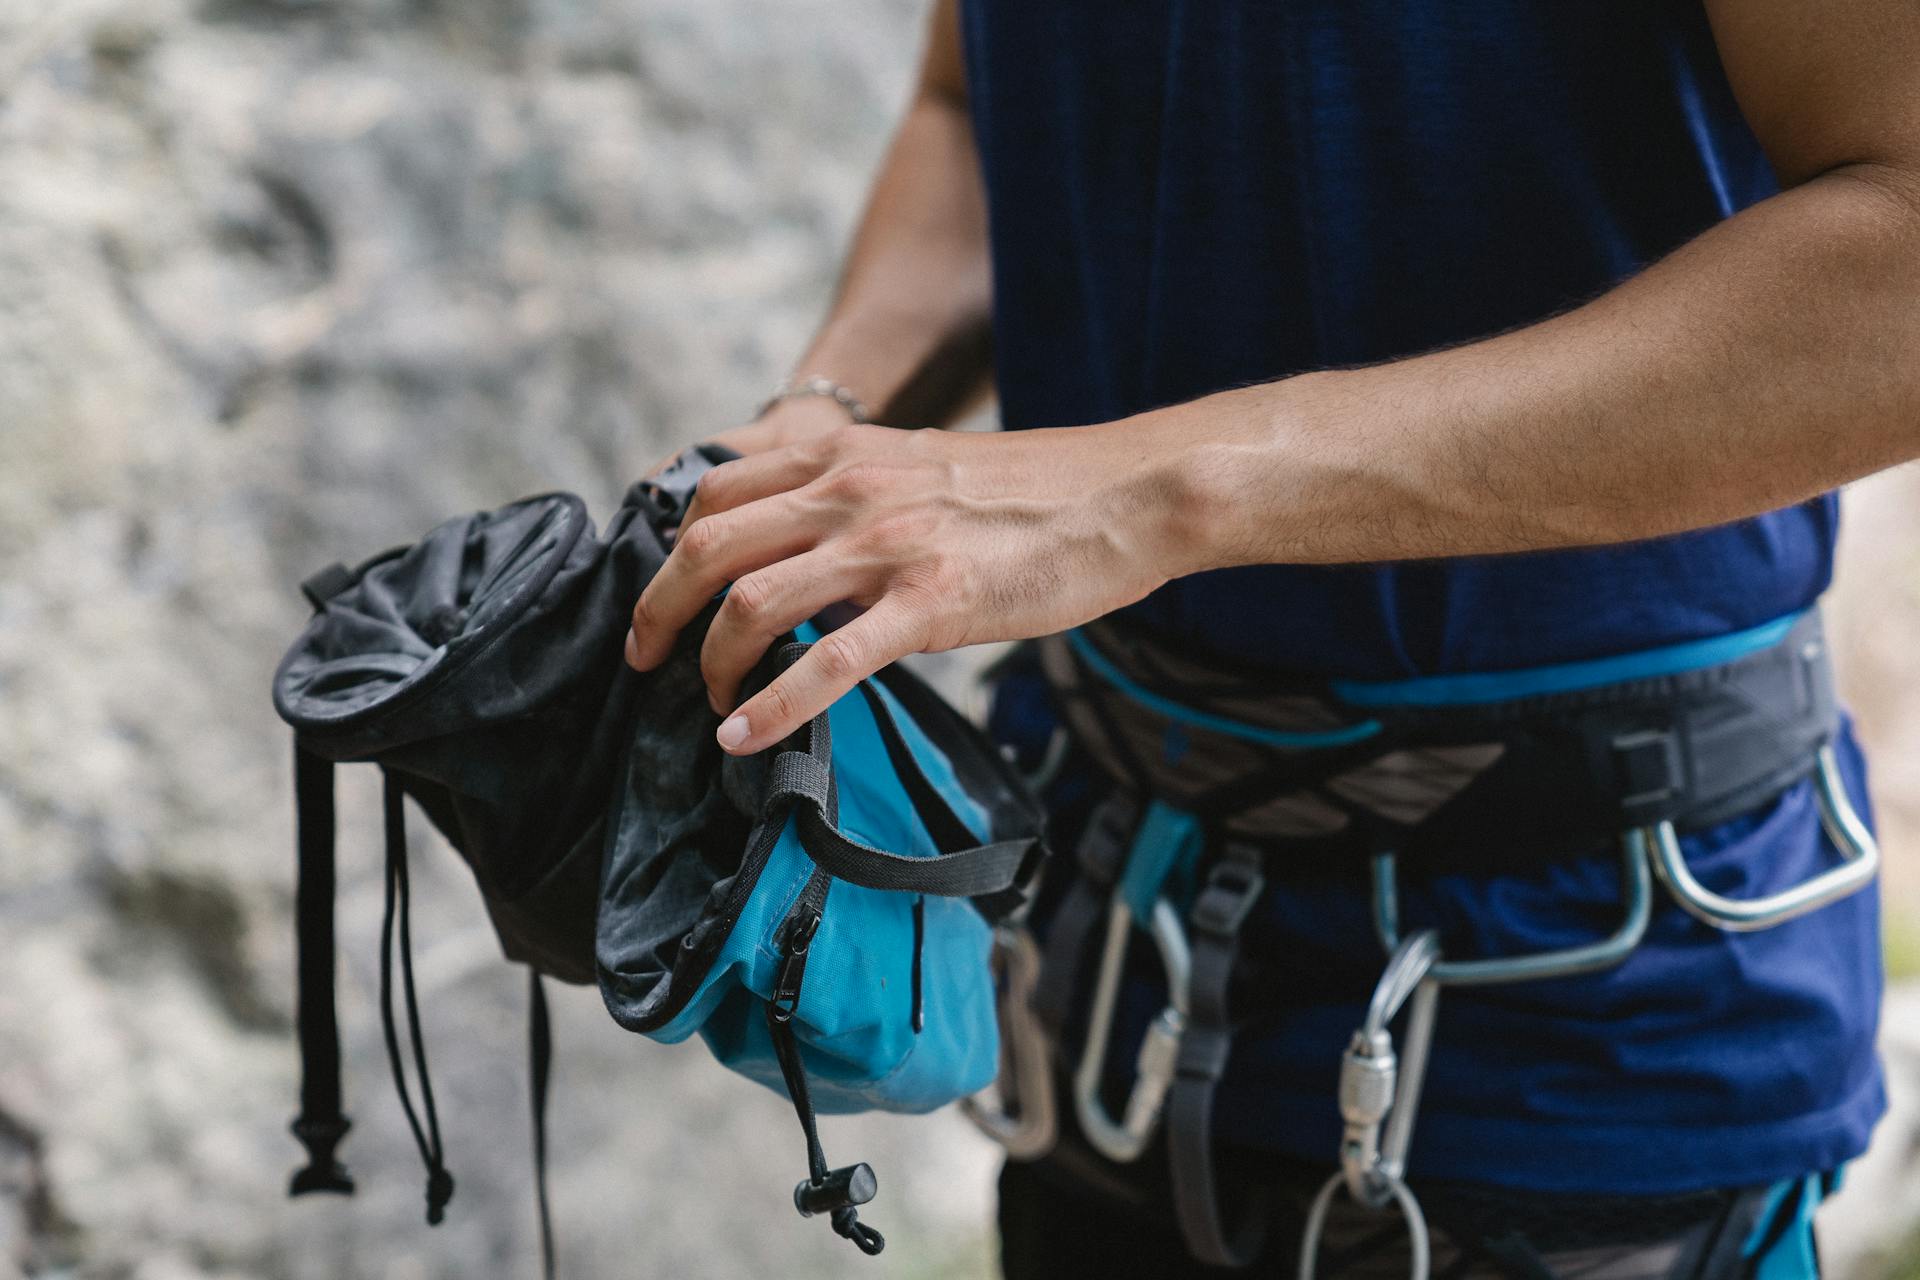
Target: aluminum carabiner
<point>1124,1140</point>
<point>1379,1099</point>
<point>1379,1089</point>
<point>1017,1111</point>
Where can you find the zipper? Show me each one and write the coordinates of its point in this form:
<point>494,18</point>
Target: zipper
<point>796,939</point>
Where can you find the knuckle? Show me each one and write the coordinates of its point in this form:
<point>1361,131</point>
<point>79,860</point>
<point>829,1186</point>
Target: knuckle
<point>928,581</point>
<point>840,656</point>
<point>749,598</point>
<point>642,615</point>
<point>860,480</point>
<point>779,702</point>
<point>711,485</point>
<point>701,540</point>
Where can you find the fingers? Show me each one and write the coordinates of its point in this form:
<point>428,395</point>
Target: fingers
<point>836,662</point>
<point>707,556</point>
<point>765,605</point>
<point>749,479</point>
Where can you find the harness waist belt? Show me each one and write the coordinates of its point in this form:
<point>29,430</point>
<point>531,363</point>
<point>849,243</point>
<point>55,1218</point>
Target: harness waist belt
<point>1464,773</point>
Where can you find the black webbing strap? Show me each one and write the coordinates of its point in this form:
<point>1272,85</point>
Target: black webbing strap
<point>399,906</point>
<point>320,1125</point>
<point>967,873</point>
<point>804,779</point>
<point>950,832</point>
<point>1233,888</point>
<point>540,1064</point>
<point>1101,855</point>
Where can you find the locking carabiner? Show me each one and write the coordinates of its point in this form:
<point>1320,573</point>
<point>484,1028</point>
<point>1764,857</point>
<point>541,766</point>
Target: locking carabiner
<point>1379,1099</point>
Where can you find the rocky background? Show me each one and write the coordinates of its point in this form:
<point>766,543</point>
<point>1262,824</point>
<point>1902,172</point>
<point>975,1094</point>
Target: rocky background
<point>288,280</point>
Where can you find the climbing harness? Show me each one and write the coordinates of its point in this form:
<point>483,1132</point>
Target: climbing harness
<point>1454,774</point>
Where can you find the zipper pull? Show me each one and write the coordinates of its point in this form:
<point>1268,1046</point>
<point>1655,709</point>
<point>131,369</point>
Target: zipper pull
<point>793,965</point>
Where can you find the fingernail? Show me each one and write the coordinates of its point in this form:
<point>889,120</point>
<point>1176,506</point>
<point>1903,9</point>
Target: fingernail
<point>633,650</point>
<point>732,732</point>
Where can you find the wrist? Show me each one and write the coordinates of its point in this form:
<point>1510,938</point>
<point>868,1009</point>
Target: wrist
<point>1215,471</point>
<point>798,418</point>
<point>1167,497</point>
<point>819,387</point>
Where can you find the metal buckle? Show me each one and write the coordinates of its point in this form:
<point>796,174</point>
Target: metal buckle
<point>1859,852</point>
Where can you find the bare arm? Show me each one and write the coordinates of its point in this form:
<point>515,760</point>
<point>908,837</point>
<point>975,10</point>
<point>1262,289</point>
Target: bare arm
<point>1771,359</point>
<point>908,332</point>
<point>1774,357</point>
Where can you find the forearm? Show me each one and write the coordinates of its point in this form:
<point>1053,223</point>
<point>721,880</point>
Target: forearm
<point>1771,359</point>
<point>908,332</point>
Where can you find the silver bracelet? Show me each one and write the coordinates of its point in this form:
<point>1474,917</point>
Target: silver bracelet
<point>816,385</point>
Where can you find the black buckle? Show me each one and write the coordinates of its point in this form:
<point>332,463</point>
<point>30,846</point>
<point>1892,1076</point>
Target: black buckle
<point>1649,771</point>
<point>1233,887</point>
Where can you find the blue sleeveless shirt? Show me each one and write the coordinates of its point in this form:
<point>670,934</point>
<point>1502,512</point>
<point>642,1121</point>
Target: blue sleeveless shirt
<point>1189,195</point>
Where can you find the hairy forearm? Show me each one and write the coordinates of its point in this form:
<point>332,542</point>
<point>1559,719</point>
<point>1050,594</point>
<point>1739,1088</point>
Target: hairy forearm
<point>1771,359</point>
<point>908,332</point>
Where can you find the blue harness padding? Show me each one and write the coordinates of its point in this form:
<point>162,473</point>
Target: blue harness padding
<point>897,1010</point>
<point>1165,848</point>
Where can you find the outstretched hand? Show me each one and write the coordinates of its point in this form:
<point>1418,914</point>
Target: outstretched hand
<point>941,539</point>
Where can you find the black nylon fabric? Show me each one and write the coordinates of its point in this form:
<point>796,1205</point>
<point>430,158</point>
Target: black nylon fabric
<point>482,668</point>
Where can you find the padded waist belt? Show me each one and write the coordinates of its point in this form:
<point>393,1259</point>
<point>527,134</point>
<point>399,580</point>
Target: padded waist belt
<point>1467,772</point>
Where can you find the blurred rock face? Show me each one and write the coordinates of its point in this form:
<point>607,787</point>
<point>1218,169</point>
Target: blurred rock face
<point>288,281</point>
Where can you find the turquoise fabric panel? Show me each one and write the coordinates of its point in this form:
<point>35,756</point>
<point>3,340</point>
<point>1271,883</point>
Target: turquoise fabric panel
<point>1166,845</point>
<point>854,1020</point>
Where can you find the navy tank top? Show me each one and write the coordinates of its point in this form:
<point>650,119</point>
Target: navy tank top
<point>1189,195</point>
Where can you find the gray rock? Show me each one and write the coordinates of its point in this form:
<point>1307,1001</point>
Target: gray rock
<point>283,281</point>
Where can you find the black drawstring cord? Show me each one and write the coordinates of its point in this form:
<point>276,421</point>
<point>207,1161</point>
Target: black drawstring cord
<point>432,1151</point>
